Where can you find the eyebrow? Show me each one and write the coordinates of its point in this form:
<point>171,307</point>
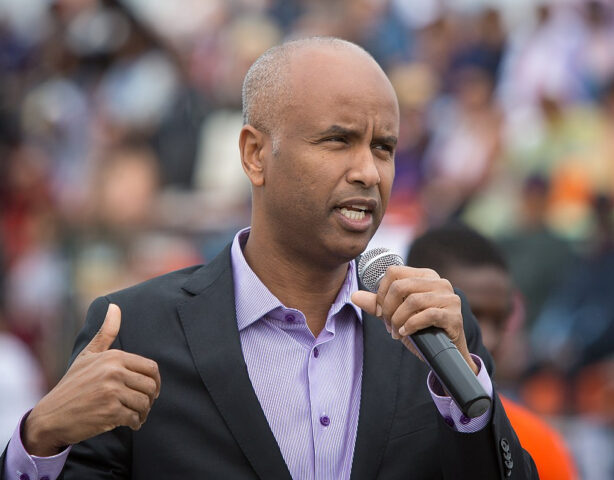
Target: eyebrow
<point>349,132</point>
<point>389,140</point>
<point>339,130</point>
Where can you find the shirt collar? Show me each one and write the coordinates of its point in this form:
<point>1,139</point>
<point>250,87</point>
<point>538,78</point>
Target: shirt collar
<point>253,300</point>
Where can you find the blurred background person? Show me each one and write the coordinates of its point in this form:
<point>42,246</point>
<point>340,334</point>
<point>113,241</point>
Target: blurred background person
<point>538,258</point>
<point>474,265</point>
<point>22,382</point>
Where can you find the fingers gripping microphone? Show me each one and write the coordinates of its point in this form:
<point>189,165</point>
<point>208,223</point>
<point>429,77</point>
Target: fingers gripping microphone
<point>438,351</point>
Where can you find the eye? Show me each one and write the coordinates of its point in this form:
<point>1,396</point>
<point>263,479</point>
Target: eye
<point>335,139</point>
<point>384,147</point>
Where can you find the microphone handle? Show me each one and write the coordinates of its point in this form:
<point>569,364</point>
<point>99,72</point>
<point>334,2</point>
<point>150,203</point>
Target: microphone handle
<point>452,370</point>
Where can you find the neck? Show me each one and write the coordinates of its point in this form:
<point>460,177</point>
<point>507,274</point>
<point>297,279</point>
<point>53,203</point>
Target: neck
<point>296,282</point>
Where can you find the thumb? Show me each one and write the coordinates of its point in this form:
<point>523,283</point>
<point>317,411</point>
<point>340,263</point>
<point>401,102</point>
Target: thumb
<point>108,331</point>
<point>365,300</point>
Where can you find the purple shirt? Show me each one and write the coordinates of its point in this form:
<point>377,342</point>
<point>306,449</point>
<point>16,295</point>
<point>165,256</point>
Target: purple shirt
<point>308,387</point>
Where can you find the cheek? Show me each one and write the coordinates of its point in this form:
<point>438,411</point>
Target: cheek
<point>386,174</point>
<point>315,179</point>
<point>297,194</point>
<point>492,335</point>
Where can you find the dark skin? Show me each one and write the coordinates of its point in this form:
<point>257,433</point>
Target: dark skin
<point>103,389</point>
<point>335,148</point>
<point>316,204</point>
<point>490,294</point>
<point>336,151</point>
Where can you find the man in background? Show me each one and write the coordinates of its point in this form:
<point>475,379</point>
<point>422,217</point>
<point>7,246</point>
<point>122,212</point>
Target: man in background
<point>474,265</point>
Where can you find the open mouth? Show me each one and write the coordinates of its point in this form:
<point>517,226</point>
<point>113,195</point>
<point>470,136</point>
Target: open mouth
<point>354,212</point>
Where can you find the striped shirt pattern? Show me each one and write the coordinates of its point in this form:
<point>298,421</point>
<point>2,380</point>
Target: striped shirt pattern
<point>309,388</point>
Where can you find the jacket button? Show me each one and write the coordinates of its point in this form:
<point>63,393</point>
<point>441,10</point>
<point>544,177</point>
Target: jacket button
<point>505,446</point>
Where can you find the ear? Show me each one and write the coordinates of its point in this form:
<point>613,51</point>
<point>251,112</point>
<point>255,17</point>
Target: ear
<point>251,147</point>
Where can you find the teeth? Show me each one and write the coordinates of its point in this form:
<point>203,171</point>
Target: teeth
<point>352,214</point>
<point>358,207</point>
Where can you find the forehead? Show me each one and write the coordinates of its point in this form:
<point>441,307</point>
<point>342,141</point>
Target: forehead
<point>340,85</point>
<point>486,285</point>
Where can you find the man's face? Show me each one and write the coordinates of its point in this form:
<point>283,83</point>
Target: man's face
<point>489,293</point>
<point>328,181</point>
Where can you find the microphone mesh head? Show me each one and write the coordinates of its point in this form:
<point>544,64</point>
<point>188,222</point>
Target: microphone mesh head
<point>373,265</point>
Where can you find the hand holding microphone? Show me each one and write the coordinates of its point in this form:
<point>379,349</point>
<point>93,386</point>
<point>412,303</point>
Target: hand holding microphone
<point>422,310</point>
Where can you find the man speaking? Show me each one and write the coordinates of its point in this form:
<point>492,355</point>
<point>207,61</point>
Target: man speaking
<point>269,362</point>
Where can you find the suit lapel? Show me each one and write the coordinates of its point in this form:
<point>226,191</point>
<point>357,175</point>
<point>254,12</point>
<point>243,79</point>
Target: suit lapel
<point>380,379</point>
<point>210,326</point>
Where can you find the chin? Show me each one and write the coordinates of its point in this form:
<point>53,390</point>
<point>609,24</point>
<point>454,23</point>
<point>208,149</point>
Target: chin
<point>350,250</point>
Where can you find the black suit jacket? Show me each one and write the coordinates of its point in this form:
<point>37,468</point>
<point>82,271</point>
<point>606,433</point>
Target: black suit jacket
<point>208,424</point>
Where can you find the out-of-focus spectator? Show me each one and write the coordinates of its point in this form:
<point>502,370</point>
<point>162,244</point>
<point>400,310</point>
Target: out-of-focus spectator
<point>542,59</point>
<point>539,259</point>
<point>576,326</point>
<point>124,188</point>
<point>35,277</point>
<point>484,43</point>
<point>416,86</point>
<point>374,25</point>
<point>465,146</point>
<point>473,264</point>
<point>21,382</point>
<point>435,42</point>
<point>597,60</point>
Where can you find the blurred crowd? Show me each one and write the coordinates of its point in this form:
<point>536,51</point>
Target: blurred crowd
<point>119,161</point>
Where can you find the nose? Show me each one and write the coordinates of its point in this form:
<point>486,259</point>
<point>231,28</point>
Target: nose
<point>363,168</point>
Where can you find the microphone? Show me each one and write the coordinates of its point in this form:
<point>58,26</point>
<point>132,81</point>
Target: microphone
<point>436,348</point>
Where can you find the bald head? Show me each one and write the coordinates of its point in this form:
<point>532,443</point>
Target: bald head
<point>322,122</point>
<point>267,86</point>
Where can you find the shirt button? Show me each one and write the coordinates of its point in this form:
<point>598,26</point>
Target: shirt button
<point>464,420</point>
<point>24,476</point>
<point>449,421</point>
<point>316,352</point>
<point>289,318</point>
<point>324,420</point>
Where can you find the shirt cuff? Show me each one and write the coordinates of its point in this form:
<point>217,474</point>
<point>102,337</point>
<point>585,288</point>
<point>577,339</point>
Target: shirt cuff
<point>20,464</point>
<point>451,412</point>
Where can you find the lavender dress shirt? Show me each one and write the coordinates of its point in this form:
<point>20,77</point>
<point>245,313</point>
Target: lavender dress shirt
<point>308,387</point>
